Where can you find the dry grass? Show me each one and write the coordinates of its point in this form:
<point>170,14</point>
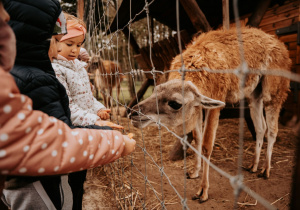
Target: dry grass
<point>122,185</point>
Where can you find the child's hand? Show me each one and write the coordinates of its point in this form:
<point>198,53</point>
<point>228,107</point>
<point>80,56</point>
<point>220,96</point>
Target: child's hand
<point>129,144</point>
<point>109,124</point>
<point>103,114</point>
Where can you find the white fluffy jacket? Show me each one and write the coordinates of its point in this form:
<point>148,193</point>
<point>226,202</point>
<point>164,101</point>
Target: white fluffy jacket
<point>83,105</point>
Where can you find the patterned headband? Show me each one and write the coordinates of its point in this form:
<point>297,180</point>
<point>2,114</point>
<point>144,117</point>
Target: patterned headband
<point>74,29</point>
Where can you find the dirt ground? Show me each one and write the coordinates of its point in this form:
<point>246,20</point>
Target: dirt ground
<point>109,187</point>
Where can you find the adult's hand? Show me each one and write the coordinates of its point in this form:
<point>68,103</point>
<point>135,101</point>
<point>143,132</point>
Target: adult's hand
<point>129,146</point>
<point>109,124</point>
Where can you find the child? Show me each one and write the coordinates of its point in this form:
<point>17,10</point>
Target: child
<point>85,109</point>
<point>33,143</point>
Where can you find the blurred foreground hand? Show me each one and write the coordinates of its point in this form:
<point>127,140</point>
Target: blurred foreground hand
<point>129,144</point>
<point>109,124</point>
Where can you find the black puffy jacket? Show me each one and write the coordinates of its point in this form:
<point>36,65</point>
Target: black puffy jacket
<point>33,23</point>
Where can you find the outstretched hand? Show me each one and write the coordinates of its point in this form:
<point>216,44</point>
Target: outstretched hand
<point>129,146</point>
<point>103,114</point>
<point>109,124</point>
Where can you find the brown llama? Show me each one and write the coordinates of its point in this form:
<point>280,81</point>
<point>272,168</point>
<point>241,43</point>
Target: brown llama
<point>219,50</point>
<point>104,82</point>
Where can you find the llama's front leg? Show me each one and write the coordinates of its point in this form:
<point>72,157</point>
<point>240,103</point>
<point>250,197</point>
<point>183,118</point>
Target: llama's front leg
<point>256,111</point>
<point>195,172</point>
<point>210,128</point>
<point>198,136</point>
<point>272,115</point>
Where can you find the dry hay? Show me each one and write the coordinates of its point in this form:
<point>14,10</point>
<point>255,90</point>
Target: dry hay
<point>122,185</point>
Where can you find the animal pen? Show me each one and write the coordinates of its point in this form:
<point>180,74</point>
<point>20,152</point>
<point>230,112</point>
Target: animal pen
<point>155,175</point>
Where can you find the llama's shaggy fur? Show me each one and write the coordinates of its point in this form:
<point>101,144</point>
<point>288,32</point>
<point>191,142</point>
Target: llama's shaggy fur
<point>219,50</point>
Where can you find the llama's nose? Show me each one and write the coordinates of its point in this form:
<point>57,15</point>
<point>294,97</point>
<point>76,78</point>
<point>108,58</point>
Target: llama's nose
<point>134,112</point>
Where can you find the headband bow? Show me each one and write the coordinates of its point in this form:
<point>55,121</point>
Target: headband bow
<point>60,25</point>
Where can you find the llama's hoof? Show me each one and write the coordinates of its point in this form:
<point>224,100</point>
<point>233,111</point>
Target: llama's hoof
<point>263,174</point>
<point>247,169</point>
<point>196,197</point>
<point>191,176</point>
<point>250,169</point>
<point>201,200</point>
<point>187,175</point>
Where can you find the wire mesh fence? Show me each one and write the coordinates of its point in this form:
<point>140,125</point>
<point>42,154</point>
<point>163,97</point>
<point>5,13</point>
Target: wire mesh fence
<point>132,178</point>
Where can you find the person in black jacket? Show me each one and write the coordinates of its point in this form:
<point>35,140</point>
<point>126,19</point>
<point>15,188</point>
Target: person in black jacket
<point>33,23</point>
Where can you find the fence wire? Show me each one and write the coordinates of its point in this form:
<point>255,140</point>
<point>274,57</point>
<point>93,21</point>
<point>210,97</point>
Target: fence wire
<point>99,43</point>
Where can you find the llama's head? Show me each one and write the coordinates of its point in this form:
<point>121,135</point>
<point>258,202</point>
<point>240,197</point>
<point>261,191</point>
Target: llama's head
<point>166,104</point>
<point>95,63</point>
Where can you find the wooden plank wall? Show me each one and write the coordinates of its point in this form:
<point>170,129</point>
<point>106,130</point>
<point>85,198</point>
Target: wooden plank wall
<point>276,17</point>
<point>163,53</point>
<point>280,16</point>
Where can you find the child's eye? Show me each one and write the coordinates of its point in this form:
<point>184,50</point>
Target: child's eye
<point>69,45</point>
<point>56,40</point>
<point>79,45</point>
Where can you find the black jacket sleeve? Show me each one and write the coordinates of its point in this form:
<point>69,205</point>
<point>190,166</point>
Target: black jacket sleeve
<point>46,93</point>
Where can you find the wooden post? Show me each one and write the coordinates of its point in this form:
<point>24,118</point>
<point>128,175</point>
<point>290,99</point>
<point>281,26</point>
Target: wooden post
<point>133,43</point>
<point>147,83</point>
<point>80,8</point>
<point>257,15</point>
<point>226,18</point>
<point>195,14</point>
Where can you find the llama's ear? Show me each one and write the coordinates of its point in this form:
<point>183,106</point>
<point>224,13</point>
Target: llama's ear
<point>202,100</point>
<point>209,103</point>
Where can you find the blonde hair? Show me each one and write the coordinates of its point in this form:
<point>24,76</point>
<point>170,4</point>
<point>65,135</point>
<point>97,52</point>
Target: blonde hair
<point>72,17</point>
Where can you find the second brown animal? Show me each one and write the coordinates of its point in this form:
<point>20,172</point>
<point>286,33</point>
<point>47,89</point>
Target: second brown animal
<point>106,77</point>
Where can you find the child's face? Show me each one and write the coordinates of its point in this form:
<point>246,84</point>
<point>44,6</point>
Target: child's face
<point>3,14</point>
<point>71,47</point>
<point>55,46</point>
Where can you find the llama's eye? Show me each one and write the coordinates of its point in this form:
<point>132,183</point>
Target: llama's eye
<point>174,105</point>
